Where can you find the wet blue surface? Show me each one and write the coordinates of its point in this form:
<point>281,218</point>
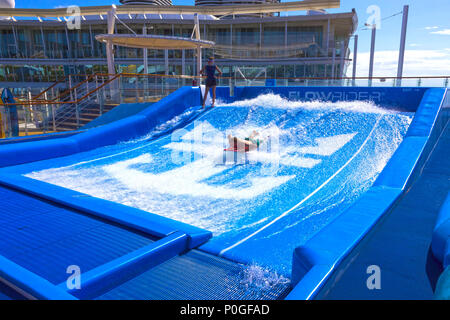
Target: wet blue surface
<point>401,244</point>
<point>316,161</point>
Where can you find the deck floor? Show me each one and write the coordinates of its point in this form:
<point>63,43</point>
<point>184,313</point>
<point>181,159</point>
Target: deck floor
<point>46,238</point>
<point>400,244</point>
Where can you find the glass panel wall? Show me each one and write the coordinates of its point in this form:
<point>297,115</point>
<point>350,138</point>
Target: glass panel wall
<point>55,43</point>
<point>7,44</point>
<point>220,34</point>
<point>306,42</point>
<point>273,35</point>
<point>253,44</point>
<point>99,47</point>
<point>23,43</point>
<point>246,35</point>
<point>80,43</point>
<point>36,44</point>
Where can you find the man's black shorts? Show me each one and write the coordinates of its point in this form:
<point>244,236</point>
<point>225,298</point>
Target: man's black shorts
<point>211,82</point>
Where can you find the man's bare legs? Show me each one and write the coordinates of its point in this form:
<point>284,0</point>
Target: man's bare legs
<point>206,95</point>
<point>213,96</point>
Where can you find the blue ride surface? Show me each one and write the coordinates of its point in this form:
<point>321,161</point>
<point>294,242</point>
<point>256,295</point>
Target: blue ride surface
<point>319,169</point>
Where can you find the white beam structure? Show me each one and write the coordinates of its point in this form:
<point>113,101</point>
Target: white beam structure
<point>151,41</point>
<point>202,10</point>
<point>196,33</point>
<point>145,51</point>
<point>109,45</point>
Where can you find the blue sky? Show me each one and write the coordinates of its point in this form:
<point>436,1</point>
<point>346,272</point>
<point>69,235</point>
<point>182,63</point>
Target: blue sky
<point>428,38</point>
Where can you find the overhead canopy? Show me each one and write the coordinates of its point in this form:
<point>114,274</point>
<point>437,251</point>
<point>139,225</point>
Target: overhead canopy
<point>213,10</point>
<point>153,41</point>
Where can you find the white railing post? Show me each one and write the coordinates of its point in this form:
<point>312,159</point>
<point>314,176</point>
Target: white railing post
<point>137,88</point>
<point>121,89</point>
<point>101,101</point>
<point>77,113</point>
<point>96,86</point>
<point>53,117</point>
<point>70,87</point>
<point>232,84</point>
<point>25,118</point>
<point>40,107</point>
<point>47,113</point>
<point>103,91</point>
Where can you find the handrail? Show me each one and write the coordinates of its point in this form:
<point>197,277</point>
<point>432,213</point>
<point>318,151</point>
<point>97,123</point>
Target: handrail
<point>74,87</point>
<point>99,87</point>
<point>49,88</point>
<point>113,77</point>
<point>31,102</point>
<point>64,78</point>
<point>300,78</point>
<point>160,75</point>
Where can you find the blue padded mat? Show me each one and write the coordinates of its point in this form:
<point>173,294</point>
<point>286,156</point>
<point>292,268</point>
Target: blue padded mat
<point>328,156</point>
<point>46,239</point>
<point>197,276</point>
<point>408,270</point>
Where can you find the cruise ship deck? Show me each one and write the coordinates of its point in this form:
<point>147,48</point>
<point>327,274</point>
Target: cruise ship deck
<point>119,181</point>
<point>159,240</point>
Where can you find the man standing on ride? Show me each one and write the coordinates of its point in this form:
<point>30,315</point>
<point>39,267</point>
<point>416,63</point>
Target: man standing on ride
<point>211,81</point>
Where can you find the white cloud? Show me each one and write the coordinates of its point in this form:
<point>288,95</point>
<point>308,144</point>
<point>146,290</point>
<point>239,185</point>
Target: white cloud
<point>415,45</point>
<point>445,32</point>
<point>431,28</point>
<point>417,63</point>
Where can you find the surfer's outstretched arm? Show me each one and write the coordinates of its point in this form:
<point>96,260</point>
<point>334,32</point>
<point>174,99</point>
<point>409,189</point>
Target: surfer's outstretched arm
<point>240,144</point>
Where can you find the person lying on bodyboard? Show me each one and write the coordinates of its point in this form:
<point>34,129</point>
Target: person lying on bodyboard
<point>250,143</point>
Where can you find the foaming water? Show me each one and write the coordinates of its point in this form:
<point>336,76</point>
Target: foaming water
<point>271,100</point>
<point>326,153</point>
<point>262,278</point>
<point>166,126</point>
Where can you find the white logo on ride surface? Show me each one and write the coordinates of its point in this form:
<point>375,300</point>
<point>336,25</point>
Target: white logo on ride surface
<point>201,154</point>
<point>186,180</point>
<point>374,96</point>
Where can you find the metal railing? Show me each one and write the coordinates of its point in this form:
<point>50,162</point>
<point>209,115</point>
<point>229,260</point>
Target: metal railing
<point>35,116</point>
<point>66,110</point>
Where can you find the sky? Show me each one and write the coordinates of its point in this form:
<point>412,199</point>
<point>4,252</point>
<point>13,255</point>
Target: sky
<point>427,42</point>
